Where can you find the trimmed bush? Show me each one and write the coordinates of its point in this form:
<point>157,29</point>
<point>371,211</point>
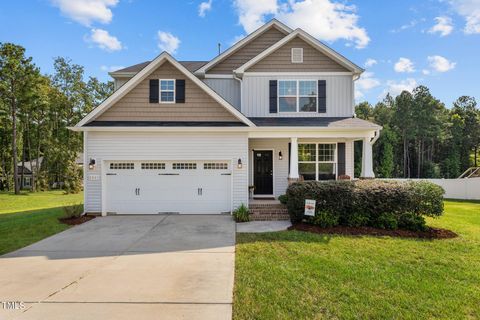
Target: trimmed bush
<point>283,199</point>
<point>376,203</point>
<point>241,214</point>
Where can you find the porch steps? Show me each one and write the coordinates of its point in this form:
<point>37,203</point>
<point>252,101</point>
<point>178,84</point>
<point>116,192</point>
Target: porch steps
<point>268,212</point>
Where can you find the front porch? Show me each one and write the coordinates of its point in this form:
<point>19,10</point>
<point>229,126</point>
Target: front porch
<point>276,162</point>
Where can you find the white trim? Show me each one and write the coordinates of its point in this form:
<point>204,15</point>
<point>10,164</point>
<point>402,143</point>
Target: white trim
<point>160,91</point>
<point>241,43</point>
<point>143,74</point>
<point>273,173</point>
<point>297,97</point>
<point>219,76</point>
<point>309,39</point>
<point>316,73</point>
<point>86,164</point>
<point>122,74</point>
<point>301,55</point>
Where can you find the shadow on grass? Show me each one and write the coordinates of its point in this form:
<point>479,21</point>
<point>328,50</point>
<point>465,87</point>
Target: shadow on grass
<point>285,236</point>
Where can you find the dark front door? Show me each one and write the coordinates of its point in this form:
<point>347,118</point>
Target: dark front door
<point>263,172</point>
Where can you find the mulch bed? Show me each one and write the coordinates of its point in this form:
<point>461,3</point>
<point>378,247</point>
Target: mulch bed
<point>430,233</point>
<point>77,220</point>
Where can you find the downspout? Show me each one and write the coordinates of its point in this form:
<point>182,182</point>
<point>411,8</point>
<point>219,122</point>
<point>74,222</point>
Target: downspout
<point>241,90</point>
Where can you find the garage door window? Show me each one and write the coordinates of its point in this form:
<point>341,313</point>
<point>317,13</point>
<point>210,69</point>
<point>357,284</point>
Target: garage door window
<point>153,166</point>
<point>184,166</point>
<point>122,166</point>
<point>215,166</point>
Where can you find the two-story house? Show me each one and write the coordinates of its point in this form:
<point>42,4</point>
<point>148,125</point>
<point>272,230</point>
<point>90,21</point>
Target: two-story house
<point>193,136</point>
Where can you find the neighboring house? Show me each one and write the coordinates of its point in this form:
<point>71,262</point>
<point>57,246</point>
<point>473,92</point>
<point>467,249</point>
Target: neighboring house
<point>28,168</point>
<point>191,137</point>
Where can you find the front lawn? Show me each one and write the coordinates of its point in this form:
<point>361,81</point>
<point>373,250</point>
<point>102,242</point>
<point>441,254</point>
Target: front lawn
<point>30,217</point>
<point>297,275</point>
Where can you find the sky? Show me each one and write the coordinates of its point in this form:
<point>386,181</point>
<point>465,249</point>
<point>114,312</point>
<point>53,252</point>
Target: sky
<point>400,44</point>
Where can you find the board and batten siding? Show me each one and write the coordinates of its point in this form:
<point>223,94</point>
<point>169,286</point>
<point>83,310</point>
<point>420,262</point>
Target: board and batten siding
<point>255,96</point>
<point>135,105</point>
<point>280,167</point>
<point>165,146</point>
<point>228,89</point>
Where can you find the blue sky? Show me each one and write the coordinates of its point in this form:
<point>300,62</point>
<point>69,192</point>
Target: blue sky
<point>431,42</point>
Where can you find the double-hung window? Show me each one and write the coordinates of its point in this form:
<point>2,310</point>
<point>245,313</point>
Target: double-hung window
<point>297,95</point>
<point>167,91</point>
<point>317,161</point>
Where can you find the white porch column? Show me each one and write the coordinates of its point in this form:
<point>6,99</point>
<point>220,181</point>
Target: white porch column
<point>293,159</point>
<point>367,159</point>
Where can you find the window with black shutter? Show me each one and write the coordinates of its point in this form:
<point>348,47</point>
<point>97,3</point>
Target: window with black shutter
<point>322,96</point>
<point>273,96</point>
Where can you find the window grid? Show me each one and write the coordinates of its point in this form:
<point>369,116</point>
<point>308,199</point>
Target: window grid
<point>324,154</point>
<point>302,93</point>
<point>215,166</point>
<point>153,166</point>
<point>167,91</point>
<point>122,166</point>
<point>184,166</point>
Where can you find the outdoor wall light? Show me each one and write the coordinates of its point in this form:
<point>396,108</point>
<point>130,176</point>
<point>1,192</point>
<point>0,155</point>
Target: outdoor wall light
<point>91,164</point>
<point>239,164</point>
<point>280,156</point>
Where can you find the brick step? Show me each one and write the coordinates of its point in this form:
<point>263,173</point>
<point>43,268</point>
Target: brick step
<point>268,211</point>
<point>273,206</point>
<point>269,217</point>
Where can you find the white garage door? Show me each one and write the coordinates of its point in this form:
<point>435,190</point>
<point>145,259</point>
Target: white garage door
<point>152,187</point>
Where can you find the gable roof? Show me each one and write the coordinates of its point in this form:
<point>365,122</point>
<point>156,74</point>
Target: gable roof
<point>273,23</point>
<point>312,41</point>
<point>117,95</point>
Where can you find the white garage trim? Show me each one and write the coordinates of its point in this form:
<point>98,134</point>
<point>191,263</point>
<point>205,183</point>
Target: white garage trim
<point>139,173</point>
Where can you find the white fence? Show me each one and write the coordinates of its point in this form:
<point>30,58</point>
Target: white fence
<point>468,189</point>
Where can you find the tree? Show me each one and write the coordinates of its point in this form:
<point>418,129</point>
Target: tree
<point>16,77</point>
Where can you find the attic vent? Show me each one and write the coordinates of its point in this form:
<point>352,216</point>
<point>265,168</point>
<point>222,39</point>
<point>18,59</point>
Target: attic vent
<point>297,55</point>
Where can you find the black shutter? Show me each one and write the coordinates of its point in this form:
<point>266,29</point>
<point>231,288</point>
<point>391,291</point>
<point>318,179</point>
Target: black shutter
<point>289,152</point>
<point>180,91</point>
<point>154,90</point>
<point>273,96</point>
<point>322,96</point>
<point>341,158</point>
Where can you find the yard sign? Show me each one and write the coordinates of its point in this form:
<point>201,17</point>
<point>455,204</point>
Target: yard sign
<point>310,207</point>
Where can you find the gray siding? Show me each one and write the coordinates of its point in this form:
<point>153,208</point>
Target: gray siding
<point>229,89</point>
<point>281,60</point>
<point>339,96</point>
<point>165,146</point>
<point>248,51</point>
<point>198,106</point>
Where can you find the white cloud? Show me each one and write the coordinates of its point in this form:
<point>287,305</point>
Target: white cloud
<point>204,7</point>
<point>370,63</point>
<point>404,65</point>
<point>366,82</point>
<point>86,12</point>
<point>236,39</point>
<point>251,13</point>
<point>440,64</point>
<point>396,87</point>
<point>470,10</point>
<point>104,40</point>
<point>443,26</point>
<point>168,42</point>
<point>110,68</point>
<point>324,19</point>
<point>426,72</point>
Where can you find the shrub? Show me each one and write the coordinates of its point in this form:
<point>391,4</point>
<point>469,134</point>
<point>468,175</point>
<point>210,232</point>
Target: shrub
<point>241,214</point>
<point>368,202</point>
<point>283,199</point>
<point>324,219</point>
<point>73,211</point>
<point>412,221</point>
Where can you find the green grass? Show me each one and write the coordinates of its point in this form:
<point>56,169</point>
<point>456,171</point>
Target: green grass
<point>296,275</point>
<point>30,217</point>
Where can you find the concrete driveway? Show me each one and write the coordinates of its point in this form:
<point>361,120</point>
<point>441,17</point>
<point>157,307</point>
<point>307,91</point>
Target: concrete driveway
<point>125,267</point>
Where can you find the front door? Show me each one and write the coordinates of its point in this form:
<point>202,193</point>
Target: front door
<point>263,172</point>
